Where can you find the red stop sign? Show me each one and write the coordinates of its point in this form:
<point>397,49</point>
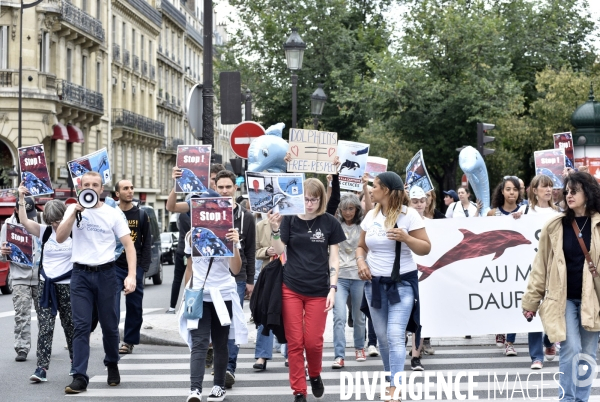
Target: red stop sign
<point>242,135</point>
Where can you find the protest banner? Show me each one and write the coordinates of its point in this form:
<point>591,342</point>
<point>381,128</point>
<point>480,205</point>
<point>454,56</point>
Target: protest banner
<point>211,220</point>
<point>416,173</point>
<point>20,243</point>
<point>476,273</point>
<point>34,171</point>
<point>593,165</point>
<point>375,165</point>
<point>565,141</point>
<point>280,192</point>
<point>353,162</point>
<point>96,161</point>
<point>194,162</point>
<point>550,162</point>
<point>312,151</point>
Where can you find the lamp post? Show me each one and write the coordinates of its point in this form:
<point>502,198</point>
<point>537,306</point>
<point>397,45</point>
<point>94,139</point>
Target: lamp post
<point>317,103</point>
<point>294,52</point>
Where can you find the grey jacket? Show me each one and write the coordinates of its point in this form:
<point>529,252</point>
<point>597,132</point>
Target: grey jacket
<point>22,274</point>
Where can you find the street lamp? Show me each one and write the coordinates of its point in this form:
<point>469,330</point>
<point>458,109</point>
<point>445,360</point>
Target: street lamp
<point>294,52</point>
<point>317,103</point>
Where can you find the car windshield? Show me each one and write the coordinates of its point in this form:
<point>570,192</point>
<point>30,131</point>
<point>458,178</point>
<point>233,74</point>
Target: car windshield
<point>166,237</point>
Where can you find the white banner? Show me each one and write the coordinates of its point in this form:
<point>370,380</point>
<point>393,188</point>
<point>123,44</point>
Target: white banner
<point>474,278</point>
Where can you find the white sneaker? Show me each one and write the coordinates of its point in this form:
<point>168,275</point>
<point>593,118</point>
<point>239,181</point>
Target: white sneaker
<point>216,394</point>
<point>372,351</point>
<point>510,350</point>
<point>195,396</point>
<point>537,365</point>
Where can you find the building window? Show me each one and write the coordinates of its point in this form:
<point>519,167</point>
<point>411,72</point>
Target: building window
<point>45,52</point>
<point>160,77</point>
<point>123,169</point>
<point>84,5</point>
<point>114,29</point>
<point>99,140</point>
<point>142,47</point>
<point>150,51</point>
<point>98,76</point>
<point>69,71</point>
<point>98,9</point>
<point>133,42</point>
<point>143,162</point>
<point>84,71</point>
<point>4,47</point>
<point>124,38</point>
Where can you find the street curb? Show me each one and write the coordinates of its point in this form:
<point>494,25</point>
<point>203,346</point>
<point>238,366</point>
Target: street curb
<point>156,340</point>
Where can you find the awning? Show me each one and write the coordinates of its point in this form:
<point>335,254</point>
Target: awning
<point>75,134</point>
<point>6,211</point>
<point>59,132</point>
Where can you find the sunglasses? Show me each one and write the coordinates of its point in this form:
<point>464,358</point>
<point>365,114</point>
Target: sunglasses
<point>572,192</point>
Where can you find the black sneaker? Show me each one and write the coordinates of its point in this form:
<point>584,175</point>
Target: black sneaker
<point>21,356</point>
<point>209,358</point>
<point>113,378</point>
<point>78,385</point>
<point>299,397</point>
<point>318,389</point>
<point>216,394</point>
<point>415,364</point>
<point>229,379</point>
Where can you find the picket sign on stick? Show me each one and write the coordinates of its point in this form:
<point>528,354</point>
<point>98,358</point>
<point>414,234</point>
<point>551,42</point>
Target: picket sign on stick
<point>312,151</point>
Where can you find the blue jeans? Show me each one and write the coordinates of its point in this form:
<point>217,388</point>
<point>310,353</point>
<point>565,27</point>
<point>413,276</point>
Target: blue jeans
<point>372,336</point>
<point>281,347</point>
<point>233,348</point>
<point>390,325</point>
<point>89,289</point>
<point>264,345</point>
<point>577,352</point>
<point>537,342</point>
<point>355,289</point>
<point>133,305</point>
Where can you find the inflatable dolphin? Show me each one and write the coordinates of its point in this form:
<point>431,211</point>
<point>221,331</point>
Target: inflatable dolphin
<point>266,153</point>
<point>471,162</point>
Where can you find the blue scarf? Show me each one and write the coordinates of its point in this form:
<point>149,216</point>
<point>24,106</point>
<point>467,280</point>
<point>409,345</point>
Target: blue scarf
<point>48,297</point>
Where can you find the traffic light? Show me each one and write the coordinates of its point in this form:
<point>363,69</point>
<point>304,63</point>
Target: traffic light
<point>482,138</point>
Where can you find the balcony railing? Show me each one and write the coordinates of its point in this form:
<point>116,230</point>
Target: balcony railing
<point>82,20</point>
<point>136,63</point>
<point>127,119</point>
<point>80,96</point>
<point>116,53</point>
<point>6,78</point>
<point>171,144</point>
<point>152,72</point>
<point>126,57</point>
<point>144,68</point>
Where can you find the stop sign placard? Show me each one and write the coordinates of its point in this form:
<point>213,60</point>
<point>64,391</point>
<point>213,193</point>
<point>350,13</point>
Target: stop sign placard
<point>242,135</point>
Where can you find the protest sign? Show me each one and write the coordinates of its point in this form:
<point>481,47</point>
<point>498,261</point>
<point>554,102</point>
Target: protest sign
<point>416,173</point>
<point>375,165</point>
<point>280,192</point>
<point>34,171</point>
<point>353,162</point>
<point>96,161</point>
<point>593,165</point>
<point>194,162</point>
<point>20,243</point>
<point>211,220</point>
<point>565,141</point>
<point>312,151</point>
<point>550,162</point>
<point>476,273</point>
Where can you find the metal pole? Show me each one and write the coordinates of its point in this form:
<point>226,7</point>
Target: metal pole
<point>248,109</point>
<point>20,112</point>
<point>207,89</point>
<point>316,122</point>
<point>294,100</point>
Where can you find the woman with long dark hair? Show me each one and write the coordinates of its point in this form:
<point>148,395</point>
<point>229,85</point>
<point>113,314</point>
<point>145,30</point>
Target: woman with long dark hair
<point>564,285</point>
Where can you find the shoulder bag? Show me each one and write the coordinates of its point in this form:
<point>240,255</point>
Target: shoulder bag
<point>591,265</point>
<point>194,298</point>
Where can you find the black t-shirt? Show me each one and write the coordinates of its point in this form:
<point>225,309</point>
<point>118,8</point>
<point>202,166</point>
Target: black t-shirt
<point>574,257</point>
<point>307,267</point>
<point>141,238</point>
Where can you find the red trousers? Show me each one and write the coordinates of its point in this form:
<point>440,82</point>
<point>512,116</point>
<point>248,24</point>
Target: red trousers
<point>304,321</point>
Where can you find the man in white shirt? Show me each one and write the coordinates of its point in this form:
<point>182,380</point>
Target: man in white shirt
<point>94,281</point>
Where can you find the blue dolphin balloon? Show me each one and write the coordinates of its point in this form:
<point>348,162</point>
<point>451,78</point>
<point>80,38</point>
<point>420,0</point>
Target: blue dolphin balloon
<point>267,152</point>
<point>471,162</point>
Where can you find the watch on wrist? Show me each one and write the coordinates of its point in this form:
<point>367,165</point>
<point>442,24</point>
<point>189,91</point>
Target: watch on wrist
<point>333,287</point>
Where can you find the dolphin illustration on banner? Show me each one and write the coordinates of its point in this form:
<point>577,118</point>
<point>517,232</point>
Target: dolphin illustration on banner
<point>476,245</point>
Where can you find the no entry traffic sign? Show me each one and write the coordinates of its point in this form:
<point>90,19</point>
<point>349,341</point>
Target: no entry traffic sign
<point>242,135</point>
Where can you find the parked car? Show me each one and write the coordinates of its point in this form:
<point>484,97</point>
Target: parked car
<point>156,270</point>
<point>5,278</point>
<point>168,245</point>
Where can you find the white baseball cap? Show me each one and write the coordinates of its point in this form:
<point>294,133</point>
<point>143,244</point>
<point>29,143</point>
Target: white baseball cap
<point>417,192</point>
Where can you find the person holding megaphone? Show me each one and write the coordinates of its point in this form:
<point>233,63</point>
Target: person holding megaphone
<point>94,226</point>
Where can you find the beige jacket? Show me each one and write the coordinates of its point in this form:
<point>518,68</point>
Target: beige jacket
<point>547,287</point>
<point>263,241</point>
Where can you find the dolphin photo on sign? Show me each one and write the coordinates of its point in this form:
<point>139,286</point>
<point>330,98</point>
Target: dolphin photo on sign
<point>416,173</point>
<point>551,162</point>
<point>20,243</point>
<point>375,166</point>
<point>353,162</point>
<point>96,161</point>
<point>34,171</point>
<point>280,192</point>
<point>211,219</point>
<point>312,151</point>
<point>194,162</point>
<point>565,141</point>
<point>482,268</point>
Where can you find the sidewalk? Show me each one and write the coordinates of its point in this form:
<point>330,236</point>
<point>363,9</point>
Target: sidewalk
<point>163,329</point>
